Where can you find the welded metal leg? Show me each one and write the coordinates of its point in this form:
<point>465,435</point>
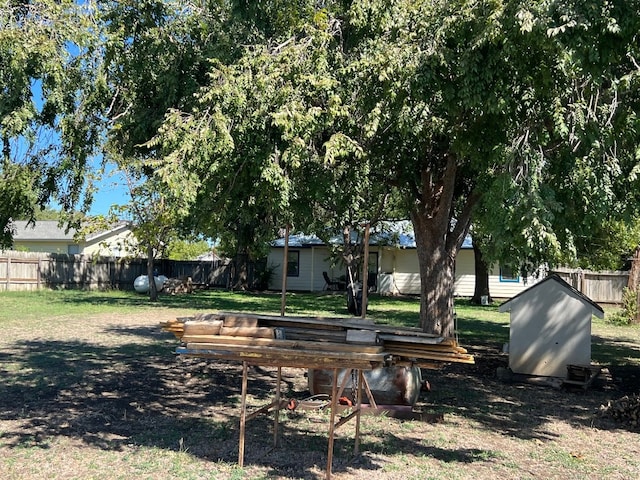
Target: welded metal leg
<point>332,422</point>
<point>276,413</point>
<point>243,415</point>
<point>356,448</point>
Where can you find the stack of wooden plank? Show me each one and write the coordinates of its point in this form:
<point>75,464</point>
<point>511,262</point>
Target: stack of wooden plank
<point>310,341</point>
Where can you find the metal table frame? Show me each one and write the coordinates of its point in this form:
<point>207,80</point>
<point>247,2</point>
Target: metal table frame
<point>276,405</point>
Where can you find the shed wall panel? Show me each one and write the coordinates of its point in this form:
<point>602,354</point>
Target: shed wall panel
<point>550,328</point>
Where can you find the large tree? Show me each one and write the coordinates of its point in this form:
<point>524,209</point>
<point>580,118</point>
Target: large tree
<point>486,102</point>
<point>50,108</point>
<point>513,106</point>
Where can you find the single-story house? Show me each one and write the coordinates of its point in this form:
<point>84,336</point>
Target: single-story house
<point>393,266</point>
<point>47,236</point>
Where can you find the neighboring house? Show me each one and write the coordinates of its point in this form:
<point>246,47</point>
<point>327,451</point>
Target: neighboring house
<point>394,268</point>
<point>550,328</point>
<point>47,236</point>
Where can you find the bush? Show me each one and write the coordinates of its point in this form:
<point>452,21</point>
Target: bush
<point>629,310</point>
<point>263,276</point>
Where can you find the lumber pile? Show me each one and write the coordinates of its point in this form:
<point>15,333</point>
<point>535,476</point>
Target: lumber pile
<point>310,341</point>
<point>625,410</point>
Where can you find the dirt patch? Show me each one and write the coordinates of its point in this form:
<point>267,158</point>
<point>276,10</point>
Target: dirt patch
<point>105,397</point>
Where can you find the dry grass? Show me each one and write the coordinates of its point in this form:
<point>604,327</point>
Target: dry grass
<point>101,396</point>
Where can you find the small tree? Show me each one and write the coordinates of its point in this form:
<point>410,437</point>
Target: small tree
<point>155,216</point>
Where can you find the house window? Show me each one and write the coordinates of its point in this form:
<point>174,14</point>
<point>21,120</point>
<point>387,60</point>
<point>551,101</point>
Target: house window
<point>373,262</point>
<point>73,249</point>
<point>293,264</point>
<point>508,274</point>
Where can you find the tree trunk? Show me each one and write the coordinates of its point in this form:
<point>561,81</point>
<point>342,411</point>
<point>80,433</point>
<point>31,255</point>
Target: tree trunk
<point>634,272</point>
<point>634,280</point>
<point>440,229</point>
<point>436,284</point>
<point>153,291</point>
<point>285,259</point>
<point>240,280</point>
<point>481,288</point>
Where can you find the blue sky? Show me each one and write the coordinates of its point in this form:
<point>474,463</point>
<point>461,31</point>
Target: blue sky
<point>107,195</point>
<point>111,189</point>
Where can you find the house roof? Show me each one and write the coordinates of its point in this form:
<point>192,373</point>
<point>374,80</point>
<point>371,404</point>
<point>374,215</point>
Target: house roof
<point>598,311</point>
<point>50,230</point>
<point>41,230</point>
<point>399,240</point>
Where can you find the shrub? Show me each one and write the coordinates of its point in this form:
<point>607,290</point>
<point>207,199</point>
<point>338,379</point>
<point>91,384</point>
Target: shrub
<point>263,276</point>
<point>629,310</point>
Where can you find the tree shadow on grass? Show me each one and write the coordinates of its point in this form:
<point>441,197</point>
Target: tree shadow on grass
<point>304,451</point>
<point>214,300</point>
<point>108,396</point>
<point>138,393</point>
<point>608,351</point>
<point>521,410</point>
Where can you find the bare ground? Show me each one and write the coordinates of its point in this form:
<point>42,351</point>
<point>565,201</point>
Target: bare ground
<point>104,397</point>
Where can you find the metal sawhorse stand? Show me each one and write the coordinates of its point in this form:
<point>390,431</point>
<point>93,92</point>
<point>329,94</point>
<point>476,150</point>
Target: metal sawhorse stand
<point>277,403</point>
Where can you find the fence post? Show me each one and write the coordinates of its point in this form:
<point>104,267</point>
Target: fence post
<point>8,272</point>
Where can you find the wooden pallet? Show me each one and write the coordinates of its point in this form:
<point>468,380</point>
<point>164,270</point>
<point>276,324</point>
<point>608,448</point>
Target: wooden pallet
<point>581,375</point>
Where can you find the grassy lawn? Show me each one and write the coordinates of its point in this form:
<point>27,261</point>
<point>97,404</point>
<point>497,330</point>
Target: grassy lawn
<point>90,389</point>
<point>475,324</point>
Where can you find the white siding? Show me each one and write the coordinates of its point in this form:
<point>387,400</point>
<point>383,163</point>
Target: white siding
<point>398,272</point>
<point>465,280</point>
<point>43,246</point>
<point>119,244</point>
<point>116,244</point>
<point>312,262</point>
<point>500,288</point>
<point>550,329</point>
<point>406,272</point>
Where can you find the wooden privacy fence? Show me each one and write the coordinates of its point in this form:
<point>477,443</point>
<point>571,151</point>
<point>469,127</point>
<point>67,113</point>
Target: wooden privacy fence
<point>33,270</point>
<point>601,287</point>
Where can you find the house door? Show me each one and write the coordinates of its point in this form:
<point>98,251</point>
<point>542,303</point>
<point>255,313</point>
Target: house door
<point>372,277</point>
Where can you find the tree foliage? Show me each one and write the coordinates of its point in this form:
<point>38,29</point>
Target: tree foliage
<point>154,60</point>
<point>248,116</point>
<point>452,108</point>
<point>50,112</point>
<point>187,249</point>
<point>575,179</point>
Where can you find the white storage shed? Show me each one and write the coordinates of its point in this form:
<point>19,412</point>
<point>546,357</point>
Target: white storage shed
<point>550,328</point>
